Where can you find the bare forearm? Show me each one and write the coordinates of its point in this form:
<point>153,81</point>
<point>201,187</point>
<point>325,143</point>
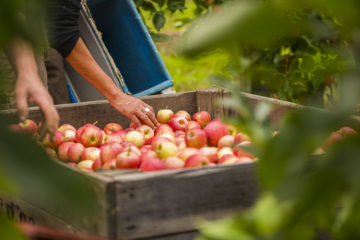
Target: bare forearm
<point>82,61</point>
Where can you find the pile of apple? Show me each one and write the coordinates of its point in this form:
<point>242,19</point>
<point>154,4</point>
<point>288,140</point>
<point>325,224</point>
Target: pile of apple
<point>178,142</point>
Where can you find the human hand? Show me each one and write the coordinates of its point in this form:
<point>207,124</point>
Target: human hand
<point>135,109</point>
<point>29,88</point>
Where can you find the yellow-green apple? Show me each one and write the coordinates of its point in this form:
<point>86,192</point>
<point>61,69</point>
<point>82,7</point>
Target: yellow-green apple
<point>91,153</point>
<point>109,151</point>
<point>195,138</point>
<point>136,138</point>
<point>166,149</point>
<point>146,131</point>
<point>90,136</point>
<point>111,164</point>
<point>211,153</point>
<point>185,153</point>
<point>226,141</point>
<point>96,165</point>
<point>197,160</point>
<point>63,150</point>
<point>192,125</point>
<point>215,130</point>
<point>51,152</point>
<point>127,159</point>
<point>148,154</point>
<point>85,165</point>
<point>75,152</point>
<point>65,127</point>
<point>240,152</point>
<point>157,141</point>
<point>173,163</point>
<point>184,114</point>
<point>112,127</point>
<point>202,118</point>
<point>232,130</point>
<point>152,164</point>
<point>164,115</point>
<point>178,123</point>
<point>223,151</point>
<point>56,141</point>
<point>28,126</point>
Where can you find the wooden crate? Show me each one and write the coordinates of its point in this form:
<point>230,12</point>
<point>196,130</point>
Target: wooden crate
<point>156,205</point>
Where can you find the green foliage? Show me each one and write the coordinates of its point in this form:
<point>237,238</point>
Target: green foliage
<point>296,46</point>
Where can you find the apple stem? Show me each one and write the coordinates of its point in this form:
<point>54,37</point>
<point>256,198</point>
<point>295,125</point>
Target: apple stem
<point>96,122</point>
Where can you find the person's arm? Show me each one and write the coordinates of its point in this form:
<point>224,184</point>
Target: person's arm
<point>29,87</point>
<point>83,62</point>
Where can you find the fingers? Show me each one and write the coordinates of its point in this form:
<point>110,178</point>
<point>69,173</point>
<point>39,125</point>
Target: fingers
<point>151,115</point>
<point>135,120</point>
<point>143,116</point>
<point>21,105</point>
<point>50,114</point>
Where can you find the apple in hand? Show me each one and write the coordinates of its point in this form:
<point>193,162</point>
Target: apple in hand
<point>28,126</point>
<point>195,138</point>
<point>202,118</point>
<point>164,115</point>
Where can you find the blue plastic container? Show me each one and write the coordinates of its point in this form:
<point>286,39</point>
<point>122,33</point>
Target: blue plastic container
<point>129,43</point>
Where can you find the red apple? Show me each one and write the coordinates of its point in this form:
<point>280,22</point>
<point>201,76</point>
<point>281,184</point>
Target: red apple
<point>226,141</point>
<point>121,133</point>
<point>91,136</point>
<point>173,163</point>
<point>135,137</point>
<point>169,136</point>
<point>132,125</point>
<point>96,165</point>
<point>240,152</point>
<point>133,149</point>
<point>152,164</point>
<point>91,153</point>
<point>75,152</point>
<point>113,138</point>
<point>178,123</point>
<point>148,154</point>
<point>157,141</point>
<point>192,125</point>
<point>179,133</point>
<point>72,164</point>
<point>15,127</point>
<point>202,118</point>
<point>187,152</point>
<point>127,159</point>
<point>241,137</point>
<point>146,131</point>
<point>110,151</point>
<point>162,129</point>
<point>112,127</point>
<point>184,114</point>
<point>196,160</point>
<point>180,142</point>
<point>166,149</point>
<point>56,141</point>
<point>215,130</point>
<point>129,129</point>
<point>64,149</point>
<point>145,149</point>
<point>111,164</point>
<point>195,138</point>
<point>28,126</point>
<point>125,144</point>
<point>228,159</point>
<point>164,115</point>
<point>211,153</point>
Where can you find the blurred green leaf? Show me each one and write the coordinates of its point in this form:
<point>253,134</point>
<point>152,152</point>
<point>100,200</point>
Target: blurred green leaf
<point>159,20</point>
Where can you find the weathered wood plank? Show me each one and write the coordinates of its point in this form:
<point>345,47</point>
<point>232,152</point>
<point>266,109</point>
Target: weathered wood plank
<point>153,204</point>
<point>208,100</point>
